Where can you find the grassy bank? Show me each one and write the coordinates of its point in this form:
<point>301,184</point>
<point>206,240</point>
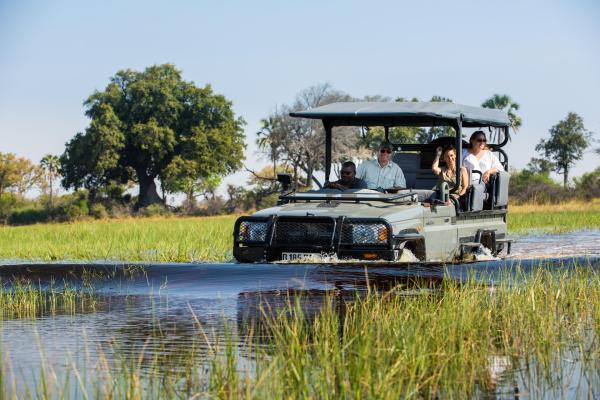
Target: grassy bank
<point>134,239</point>
<point>554,218</point>
<point>210,238</point>
<point>448,343</point>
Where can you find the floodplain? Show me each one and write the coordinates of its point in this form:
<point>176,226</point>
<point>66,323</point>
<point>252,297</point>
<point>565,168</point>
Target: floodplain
<point>156,327</point>
<point>209,239</point>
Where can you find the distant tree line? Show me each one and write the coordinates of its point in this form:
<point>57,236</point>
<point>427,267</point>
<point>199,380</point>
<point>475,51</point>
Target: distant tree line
<point>157,132</point>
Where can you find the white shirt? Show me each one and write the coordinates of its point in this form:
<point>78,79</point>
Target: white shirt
<point>487,161</point>
<point>377,176</point>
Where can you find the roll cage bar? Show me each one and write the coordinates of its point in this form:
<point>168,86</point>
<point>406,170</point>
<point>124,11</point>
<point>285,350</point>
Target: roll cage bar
<point>387,122</point>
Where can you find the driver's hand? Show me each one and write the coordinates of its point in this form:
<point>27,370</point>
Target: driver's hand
<point>438,151</point>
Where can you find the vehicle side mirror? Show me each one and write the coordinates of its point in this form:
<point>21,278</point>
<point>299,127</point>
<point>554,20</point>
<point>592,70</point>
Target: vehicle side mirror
<point>285,180</point>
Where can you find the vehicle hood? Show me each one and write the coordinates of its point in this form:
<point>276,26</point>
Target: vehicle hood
<point>391,212</point>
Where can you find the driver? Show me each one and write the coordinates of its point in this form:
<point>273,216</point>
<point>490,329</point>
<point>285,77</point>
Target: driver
<point>382,174</point>
<point>347,179</point>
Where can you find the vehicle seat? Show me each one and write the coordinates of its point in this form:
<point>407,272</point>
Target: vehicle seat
<point>409,163</point>
<point>417,175</point>
<point>499,189</point>
<point>476,193</point>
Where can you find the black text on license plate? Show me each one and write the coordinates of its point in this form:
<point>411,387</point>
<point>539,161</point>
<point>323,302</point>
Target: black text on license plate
<point>297,256</point>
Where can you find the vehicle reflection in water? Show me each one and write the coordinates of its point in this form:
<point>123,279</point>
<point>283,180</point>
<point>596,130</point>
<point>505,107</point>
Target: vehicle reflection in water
<point>172,311</point>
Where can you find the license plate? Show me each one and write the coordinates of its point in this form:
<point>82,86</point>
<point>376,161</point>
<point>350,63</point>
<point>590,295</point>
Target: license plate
<point>297,256</point>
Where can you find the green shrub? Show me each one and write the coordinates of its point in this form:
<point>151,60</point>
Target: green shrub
<point>527,186</point>
<point>587,185</point>
<point>72,207</point>
<point>98,211</point>
<point>8,201</point>
<point>153,210</point>
<point>27,216</point>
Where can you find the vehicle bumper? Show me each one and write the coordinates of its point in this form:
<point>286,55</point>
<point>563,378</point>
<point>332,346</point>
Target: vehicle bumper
<point>267,238</point>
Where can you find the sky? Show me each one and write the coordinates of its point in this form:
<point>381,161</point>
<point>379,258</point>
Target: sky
<point>260,54</point>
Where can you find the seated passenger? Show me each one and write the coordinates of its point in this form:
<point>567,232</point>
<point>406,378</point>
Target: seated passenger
<point>448,173</point>
<point>480,158</point>
<point>382,173</point>
<point>348,179</point>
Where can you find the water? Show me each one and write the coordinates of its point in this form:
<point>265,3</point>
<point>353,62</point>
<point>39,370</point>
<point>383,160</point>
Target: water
<point>160,308</point>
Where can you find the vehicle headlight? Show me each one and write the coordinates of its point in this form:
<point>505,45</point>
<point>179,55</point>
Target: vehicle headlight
<point>252,231</point>
<point>365,233</point>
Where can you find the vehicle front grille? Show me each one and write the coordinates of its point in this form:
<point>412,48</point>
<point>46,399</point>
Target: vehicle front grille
<point>303,233</point>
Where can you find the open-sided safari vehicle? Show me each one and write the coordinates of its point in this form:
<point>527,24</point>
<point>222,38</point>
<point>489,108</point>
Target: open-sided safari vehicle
<point>369,225</point>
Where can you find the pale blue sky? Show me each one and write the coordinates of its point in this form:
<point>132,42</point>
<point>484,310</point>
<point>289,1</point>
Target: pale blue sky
<point>545,54</point>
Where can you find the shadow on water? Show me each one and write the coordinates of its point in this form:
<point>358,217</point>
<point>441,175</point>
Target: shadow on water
<point>159,309</point>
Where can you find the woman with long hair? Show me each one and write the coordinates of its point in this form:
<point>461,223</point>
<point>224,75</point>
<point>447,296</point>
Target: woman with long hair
<point>480,158</point>
<point>448,172</point>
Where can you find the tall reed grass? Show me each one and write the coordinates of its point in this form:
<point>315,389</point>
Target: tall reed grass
<point>446,343</point>
<point>25,300</point>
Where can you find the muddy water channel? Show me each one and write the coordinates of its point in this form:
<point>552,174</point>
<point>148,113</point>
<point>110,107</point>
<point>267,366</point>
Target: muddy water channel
<point>124,314</point>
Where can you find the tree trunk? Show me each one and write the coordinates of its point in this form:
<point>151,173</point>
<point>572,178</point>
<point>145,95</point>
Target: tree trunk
<point>565,177</point>
<point>148,194</point>
<point>51,204</point>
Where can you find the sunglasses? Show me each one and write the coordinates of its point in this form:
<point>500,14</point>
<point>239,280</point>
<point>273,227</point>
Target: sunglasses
<point>346,172</point>
<point>481,140</point>
<point>385,151</point>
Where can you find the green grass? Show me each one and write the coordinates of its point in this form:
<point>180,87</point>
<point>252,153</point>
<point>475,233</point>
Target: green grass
<point>136,239</point>
<point>557,218</point>
<point>24,300</point>
<point>440,344</point>
<point>210,238</point>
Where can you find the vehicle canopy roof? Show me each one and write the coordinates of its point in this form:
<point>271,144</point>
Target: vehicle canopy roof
<point>405,113</point>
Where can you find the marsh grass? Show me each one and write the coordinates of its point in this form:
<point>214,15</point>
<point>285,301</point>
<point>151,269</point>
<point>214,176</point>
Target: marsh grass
<point>211,238</point>
<point>23,299</point>
<point>441,344</point>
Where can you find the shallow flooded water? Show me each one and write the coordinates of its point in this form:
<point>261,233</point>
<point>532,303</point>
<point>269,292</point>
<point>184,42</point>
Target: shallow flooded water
<point>168,309</point>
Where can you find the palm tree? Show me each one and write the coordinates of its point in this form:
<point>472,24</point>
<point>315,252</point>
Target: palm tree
<point>50,164</point>
<point>505,103</point>
<point>269,138</point>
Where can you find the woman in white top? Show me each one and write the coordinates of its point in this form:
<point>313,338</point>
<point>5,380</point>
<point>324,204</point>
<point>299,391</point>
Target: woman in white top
<point>479,158</point>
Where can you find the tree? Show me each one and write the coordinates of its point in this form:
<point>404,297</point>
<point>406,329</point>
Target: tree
<point>300,142</point>
<point>50,164</point>
<point>17,174</point>
<point>505,103</point>
<point>540,166</point>
<point>427,135</point>
<point>9,173</point>
<point>29,176</point>
<point>269,138</point>
<point>144,124</point>
<point>568,139</point>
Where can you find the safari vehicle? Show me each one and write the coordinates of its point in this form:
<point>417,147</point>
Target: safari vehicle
<point>369,225</point>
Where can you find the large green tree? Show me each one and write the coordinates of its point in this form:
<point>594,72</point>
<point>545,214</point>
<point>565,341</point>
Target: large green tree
<point>18,174</point>
<point>568,139</point>
<point>153,125</point>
